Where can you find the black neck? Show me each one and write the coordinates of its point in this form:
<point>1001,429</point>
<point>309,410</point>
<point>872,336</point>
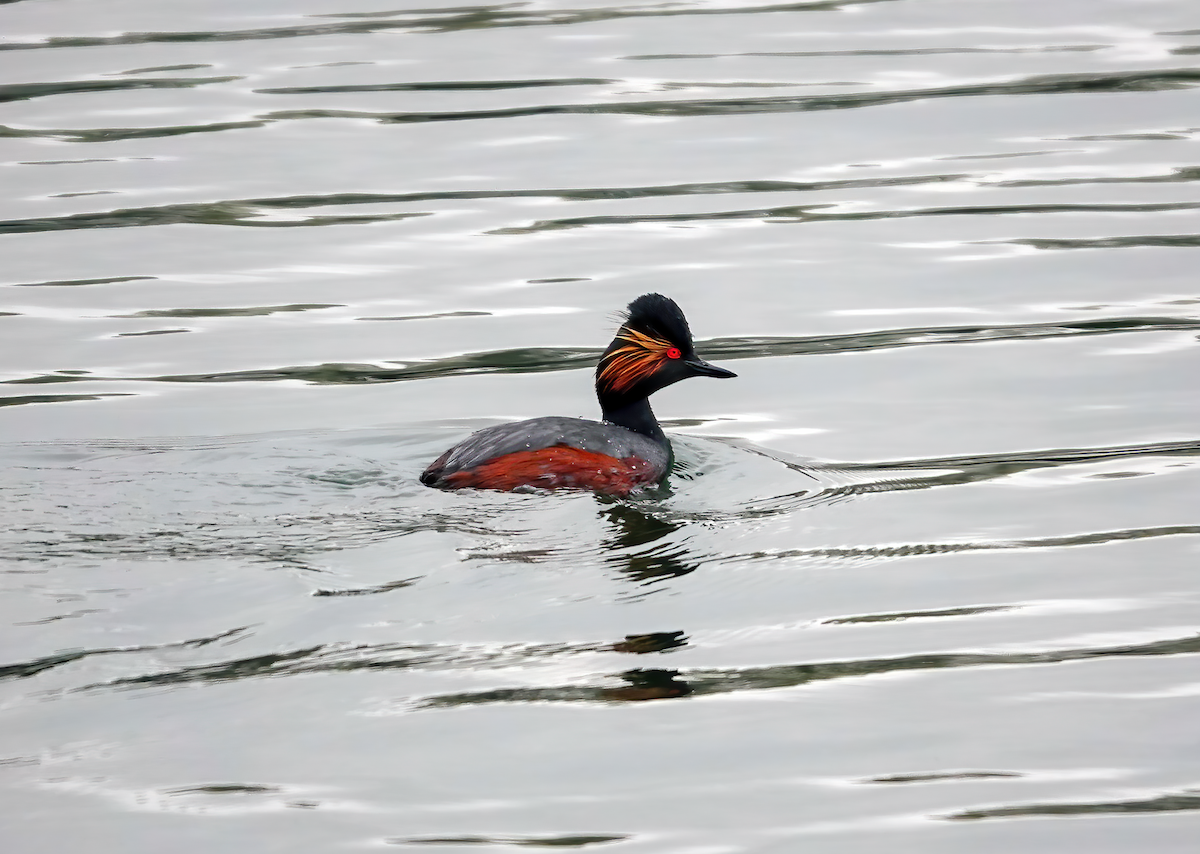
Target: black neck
<point>636,416</point>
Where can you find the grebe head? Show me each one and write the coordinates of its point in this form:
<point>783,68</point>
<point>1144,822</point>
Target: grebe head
<point>652,350</point>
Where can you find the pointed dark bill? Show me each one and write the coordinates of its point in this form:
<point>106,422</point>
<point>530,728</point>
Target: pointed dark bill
<point>702,368</point>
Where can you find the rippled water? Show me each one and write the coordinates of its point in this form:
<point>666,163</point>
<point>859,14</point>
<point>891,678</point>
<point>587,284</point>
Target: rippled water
<point>924,578</point>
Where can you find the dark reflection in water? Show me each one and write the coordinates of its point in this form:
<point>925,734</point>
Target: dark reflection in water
<point>936,776</point>
<point>735,680</point>
<point>1051,84</point>
<point>223,789</point>
<point>71,283</point>
<point>547,359</point>
<point>32,668</point>
<point>439,86</point>
<point>26,91</point>
<point>263,212</point>
<point>1180,802</point>
<point>640,684</point>
<point>918,51</point>
<point>969,611</point>
<point>818,213</point>
<point>255,311</point>
<point>648,685</point>
<point>1179,240</point>
<point>653,642</point>
<point>367,591</point>
<point>572,841</point>
<point>1058,84</point>
<point>21,400</point>
<point>635,530</point>
<point>433,21</point>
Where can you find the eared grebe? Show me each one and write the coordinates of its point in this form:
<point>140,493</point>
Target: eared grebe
<point>653,349</point>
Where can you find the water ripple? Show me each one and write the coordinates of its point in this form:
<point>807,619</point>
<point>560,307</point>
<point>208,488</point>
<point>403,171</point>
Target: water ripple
<point>1051,84</point>
<point>436,86</point>
<point>546,359</point>
<point>431,21</point>
<point>816,213</point>
<point>292,527</point>
<point>248,211</point>
<point>26,91</point>
<point>501,162</point>
<point>1156,80</point>
<point>912,549</point>
<point>736,680</point>
<point>1177,802</point>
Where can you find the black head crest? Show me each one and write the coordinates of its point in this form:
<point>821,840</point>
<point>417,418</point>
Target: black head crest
<point>652,342</point>
<point>659,315</point>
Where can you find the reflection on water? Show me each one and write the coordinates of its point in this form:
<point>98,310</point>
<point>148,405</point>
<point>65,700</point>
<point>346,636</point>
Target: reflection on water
<point>1162,803</point>
<point>922,578</point>
<point>538,360</point>
<point>635,529</point>
<point>573,841</point>
<point>646,540</point>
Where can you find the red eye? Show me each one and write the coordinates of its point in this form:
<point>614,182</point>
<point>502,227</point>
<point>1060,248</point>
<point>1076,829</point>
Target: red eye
<point>673,353</point>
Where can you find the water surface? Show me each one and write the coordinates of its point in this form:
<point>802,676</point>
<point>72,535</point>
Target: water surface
<point>924,575</point>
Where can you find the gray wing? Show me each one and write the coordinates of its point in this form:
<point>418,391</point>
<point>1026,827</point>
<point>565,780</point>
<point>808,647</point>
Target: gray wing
<point>538,433</point>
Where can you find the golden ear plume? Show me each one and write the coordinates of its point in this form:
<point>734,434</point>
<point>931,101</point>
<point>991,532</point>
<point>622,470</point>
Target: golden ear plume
<point>639,357</point>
